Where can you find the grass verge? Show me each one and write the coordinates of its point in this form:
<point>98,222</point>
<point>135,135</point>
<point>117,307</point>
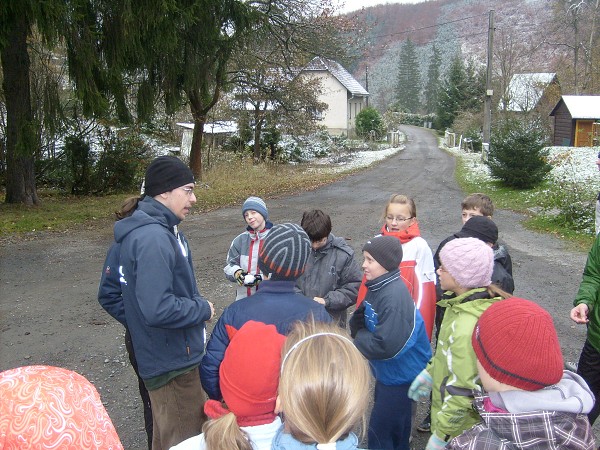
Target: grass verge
<point>224,184</point>
<point>522,201</point>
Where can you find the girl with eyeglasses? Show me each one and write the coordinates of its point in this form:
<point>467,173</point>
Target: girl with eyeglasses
<point>416,269</point>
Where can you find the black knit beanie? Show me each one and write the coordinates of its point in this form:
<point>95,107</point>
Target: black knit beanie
<point>479,227</point>
<point>166,173</point>
<point>386,250</point>
<point>284,252</point>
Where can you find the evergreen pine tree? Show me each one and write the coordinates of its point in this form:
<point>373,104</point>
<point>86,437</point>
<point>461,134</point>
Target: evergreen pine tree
<point>409,81</point>
<point>433,81</point>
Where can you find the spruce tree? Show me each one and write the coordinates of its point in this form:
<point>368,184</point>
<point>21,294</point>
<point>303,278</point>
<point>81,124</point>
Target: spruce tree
<point>433,81</point>
<point>409,80</point>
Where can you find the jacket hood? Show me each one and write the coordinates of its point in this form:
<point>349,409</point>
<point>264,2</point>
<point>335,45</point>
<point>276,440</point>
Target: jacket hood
<point>285,441</point>
<point>149,211</point>
<point>570,395</point>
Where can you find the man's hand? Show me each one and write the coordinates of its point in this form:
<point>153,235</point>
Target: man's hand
<point>579,314</point>
<point>212,310</point>
<point>320,300</point>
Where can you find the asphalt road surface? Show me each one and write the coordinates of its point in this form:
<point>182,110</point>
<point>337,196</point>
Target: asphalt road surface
<point>48,282</point>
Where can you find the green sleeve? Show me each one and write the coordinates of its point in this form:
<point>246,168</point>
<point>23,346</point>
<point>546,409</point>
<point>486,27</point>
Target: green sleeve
<point>590,283</point>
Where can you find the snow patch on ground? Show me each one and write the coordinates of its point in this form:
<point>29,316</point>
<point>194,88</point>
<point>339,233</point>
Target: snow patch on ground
<point>569,164</point>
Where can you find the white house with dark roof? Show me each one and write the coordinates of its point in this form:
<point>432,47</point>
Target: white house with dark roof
<point>525,91</point>
<point>344,96</point>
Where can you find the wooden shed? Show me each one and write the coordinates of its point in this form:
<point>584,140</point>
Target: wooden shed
<point>574,119</point>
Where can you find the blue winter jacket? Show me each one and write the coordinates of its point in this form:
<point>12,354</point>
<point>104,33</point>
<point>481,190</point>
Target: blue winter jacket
<point>275,303</point>
<point>109,291</point>
<point>164,312</point>
<point>389,331</point>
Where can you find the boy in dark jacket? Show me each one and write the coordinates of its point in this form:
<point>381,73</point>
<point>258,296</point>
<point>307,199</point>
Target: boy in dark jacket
<point>332,276</point>
<point>282,258</point>
<point>389,331</point>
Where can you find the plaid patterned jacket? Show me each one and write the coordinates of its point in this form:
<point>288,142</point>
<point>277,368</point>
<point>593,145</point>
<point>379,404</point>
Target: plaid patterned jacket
<point>536,430</point>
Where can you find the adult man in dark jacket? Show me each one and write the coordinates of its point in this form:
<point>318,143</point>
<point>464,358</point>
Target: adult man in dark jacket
<point>163,310</point>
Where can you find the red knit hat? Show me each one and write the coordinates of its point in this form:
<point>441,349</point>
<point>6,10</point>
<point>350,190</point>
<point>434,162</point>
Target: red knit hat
<point>249,373</point>
<point>516,343</point>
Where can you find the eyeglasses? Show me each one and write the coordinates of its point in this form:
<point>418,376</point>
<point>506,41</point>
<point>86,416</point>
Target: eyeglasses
<point>188,190</point>
<point>398,219</point>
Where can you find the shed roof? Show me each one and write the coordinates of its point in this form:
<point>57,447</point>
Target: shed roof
<point>319,64</point>
<point>582,106</point>
<point>213,128</point>
<point>525,90</point>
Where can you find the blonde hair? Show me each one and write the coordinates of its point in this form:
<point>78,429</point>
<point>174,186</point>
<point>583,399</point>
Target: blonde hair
<point>402,200</point>
<point>224,433</point>
<point>325,383</point>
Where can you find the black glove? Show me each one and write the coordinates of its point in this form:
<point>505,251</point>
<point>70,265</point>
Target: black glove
<point>239,277</point>
<point>357,321</point>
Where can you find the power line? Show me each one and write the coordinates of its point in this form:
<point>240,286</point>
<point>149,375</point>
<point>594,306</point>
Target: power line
<point>429,26</point>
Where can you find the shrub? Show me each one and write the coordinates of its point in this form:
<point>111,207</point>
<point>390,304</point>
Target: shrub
<point>120,164</point>
<point>367,121</point>
<point>517,156</point>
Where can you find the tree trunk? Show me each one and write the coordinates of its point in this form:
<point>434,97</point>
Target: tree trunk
<point>258,123</point>
<point>196,150</point>
<point>21,132</point>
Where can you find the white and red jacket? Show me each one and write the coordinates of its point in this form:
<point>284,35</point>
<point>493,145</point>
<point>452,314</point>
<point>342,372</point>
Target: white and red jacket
<point>243,254</point>
<point>416,270</point>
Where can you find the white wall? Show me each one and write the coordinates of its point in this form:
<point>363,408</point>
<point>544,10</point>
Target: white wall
<point>335,95</point>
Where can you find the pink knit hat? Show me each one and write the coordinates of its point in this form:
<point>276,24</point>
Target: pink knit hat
<point>469,261</point>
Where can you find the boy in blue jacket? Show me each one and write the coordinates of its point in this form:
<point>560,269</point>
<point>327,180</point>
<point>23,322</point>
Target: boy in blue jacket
<point>389,331</point>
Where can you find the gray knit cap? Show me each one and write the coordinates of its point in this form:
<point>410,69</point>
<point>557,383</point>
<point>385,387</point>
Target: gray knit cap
<point>386,250</point>
<point>284,252</point>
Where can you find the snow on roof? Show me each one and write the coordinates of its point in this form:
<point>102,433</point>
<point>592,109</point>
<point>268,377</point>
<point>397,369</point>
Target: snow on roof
<point>213,127</point>
<point>525,90</point>
<point>583,106</point>
<point>342,75</point>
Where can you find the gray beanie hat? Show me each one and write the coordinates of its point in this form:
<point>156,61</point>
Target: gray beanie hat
<point>256,204</point>
<point>386,250</point>
<point>284,252</point>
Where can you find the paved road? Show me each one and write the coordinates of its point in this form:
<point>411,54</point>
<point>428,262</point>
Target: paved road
<point>48,308</point>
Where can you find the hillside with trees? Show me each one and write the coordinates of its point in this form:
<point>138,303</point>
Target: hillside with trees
<point>558,36</point>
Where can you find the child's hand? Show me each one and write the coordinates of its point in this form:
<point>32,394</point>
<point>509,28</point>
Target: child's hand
<point>579,314</point>
<point>239,276</point>
<point>420,388</point>
<point>435,443</point>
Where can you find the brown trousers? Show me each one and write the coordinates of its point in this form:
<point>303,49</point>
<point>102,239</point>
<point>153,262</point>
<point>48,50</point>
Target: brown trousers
<point>177,410</point>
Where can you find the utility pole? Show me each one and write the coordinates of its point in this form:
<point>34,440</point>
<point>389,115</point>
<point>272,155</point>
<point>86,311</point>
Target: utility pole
<point>367,84</point>
<point>487,106</point>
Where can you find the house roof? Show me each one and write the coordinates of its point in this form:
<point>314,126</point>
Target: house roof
<point>581,106</point>
<point>319,64</point>
<point>525,90</point>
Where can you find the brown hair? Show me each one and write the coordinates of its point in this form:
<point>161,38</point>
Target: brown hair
<point>316,223</point>
<point>324,389</point>
<point>402,200</point>
<point>128,207</point>
<point>480,202</point>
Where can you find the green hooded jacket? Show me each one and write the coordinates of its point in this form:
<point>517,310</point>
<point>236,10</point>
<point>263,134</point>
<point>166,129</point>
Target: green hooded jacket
<point>454,367</point>
<point>589,293</point>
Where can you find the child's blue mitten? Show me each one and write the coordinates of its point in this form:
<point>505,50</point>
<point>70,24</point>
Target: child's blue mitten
<point>420,388</point>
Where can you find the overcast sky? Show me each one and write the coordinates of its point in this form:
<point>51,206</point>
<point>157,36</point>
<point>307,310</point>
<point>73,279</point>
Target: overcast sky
<point>353,5</point>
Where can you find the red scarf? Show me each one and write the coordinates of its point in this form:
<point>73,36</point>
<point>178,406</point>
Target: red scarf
<point>215,410</point>
<point>404,236</point>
